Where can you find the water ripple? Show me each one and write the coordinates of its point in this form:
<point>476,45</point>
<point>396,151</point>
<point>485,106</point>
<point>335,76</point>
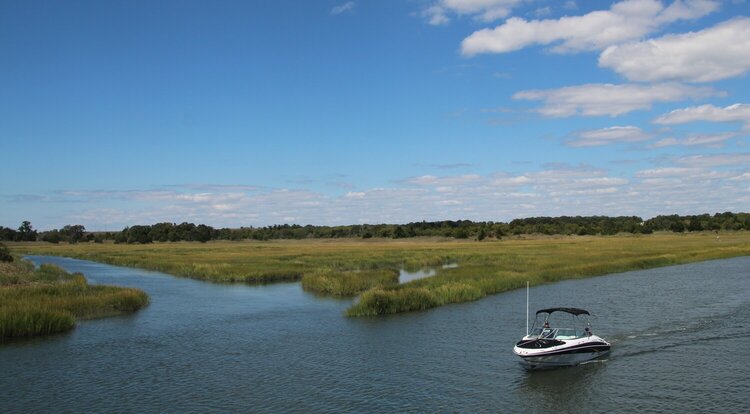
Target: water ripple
<point>201,347</point>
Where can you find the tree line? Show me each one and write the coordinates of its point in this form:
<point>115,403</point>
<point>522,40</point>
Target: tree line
<point>460,229</point>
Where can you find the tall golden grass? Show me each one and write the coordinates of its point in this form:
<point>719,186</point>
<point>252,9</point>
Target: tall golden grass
<point>48,300</point>
<point>347,267</point>
<point>348,283</point>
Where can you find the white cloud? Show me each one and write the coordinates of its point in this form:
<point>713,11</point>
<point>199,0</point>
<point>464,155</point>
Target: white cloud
<point>741,177</point>
<point>695,140</point>
<point>716,160</point>
<point>689,190</point>
<point>697,184</point>
<point>505,180</point>
<point>431,180</point>
<point>625,21</point>
<point>436,15</point>
<point>663,172</point>
<point>348,6</point>
<point>611,135</point>
<point>483,10</point>
<point>543,11</point>
<point>598,99</point>
<point>712,54</point>
<point>708,113</point>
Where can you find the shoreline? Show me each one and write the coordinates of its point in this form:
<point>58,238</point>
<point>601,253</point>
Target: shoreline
<point>345,268</point>
<point>46,300</point>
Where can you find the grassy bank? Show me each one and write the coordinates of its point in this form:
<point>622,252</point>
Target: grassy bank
<point>346,267</point>
<point>48,300</point>
<point>348,283</point>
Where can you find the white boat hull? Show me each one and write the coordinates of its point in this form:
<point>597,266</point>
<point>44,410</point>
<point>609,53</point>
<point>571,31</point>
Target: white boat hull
<point>563,360</point>
<point>566,354</point>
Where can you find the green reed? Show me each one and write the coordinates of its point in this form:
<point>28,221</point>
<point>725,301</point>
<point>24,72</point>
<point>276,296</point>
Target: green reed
<point>48,300</point>
<point>348,283</point>
<point>347,267</point>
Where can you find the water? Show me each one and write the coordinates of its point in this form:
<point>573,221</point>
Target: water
<point>679,335</point>
<point>407,276</point>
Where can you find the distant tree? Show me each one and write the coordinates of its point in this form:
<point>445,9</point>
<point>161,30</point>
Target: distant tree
<point>399,233</point>
<point>677,227</point>
<point>122,237</point>
<point>52,236</point>
<point>26,232</point>
<point>461,233</point>
<point>609,228</point>
<point>695,224</point>
<point>160,231</point>
<point>7,234</point>
<point>202,233</point>
<point>183,231</point>
<point>73,233</point>
<point>139,234</point>
<point>5,255</point>
<point>482,234</point>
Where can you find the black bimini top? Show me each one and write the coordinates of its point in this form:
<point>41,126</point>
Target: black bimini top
<point>574,311</point>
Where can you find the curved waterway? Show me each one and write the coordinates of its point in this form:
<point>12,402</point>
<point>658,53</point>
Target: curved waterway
<point>680,340</point>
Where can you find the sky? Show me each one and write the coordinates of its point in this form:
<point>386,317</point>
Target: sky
<point>331,112</point>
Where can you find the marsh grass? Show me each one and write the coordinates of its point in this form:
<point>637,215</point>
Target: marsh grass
<point>48,300</point>
<point>345,267</point>
<point>348,283</point>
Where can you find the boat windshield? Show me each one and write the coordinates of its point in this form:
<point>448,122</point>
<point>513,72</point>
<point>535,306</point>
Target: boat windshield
<point>557,333</point>
<point>560,325</point>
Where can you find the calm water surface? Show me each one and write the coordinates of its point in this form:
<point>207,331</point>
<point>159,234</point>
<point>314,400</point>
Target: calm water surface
<point>679,335</point>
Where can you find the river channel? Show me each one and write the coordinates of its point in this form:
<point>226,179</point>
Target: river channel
<point>680,343</point>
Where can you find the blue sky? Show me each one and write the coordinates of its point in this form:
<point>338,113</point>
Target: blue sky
<point>338,112</point>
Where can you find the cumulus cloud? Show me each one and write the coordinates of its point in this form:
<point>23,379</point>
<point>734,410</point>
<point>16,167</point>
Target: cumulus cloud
<point>709,113</point>
<point>689,190</point>
<point>696,140</point>
<point>348,6</point>
<point>442,181</point>
<point>708,55</point>
<point>611,135</point>
<point>686,185</point>
<point>715,160</point>
<point>664,172</point>
<point>625,21</point>
<point>599,99</point>
<point>438,12</point>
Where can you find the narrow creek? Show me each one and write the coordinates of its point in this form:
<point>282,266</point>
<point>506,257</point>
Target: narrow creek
<point>679,339</point>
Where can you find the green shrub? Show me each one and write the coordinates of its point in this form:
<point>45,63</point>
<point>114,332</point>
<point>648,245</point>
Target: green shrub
<point>5,255</point>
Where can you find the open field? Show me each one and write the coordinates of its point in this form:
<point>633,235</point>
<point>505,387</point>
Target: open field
<point>347,267</point>
<point>48,300</point>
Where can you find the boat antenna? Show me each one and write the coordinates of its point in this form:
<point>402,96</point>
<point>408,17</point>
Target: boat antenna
<point>527,307</point>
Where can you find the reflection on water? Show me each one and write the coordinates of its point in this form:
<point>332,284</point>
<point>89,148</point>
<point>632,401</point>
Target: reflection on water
<point>207,347</point>
<point>542,390</point>
<point>406,276</point>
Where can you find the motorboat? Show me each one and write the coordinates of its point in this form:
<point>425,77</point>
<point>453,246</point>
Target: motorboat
<point>564,340</point>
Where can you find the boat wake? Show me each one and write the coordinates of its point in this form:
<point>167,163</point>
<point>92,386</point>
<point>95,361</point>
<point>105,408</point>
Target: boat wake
<point>717,328</point>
